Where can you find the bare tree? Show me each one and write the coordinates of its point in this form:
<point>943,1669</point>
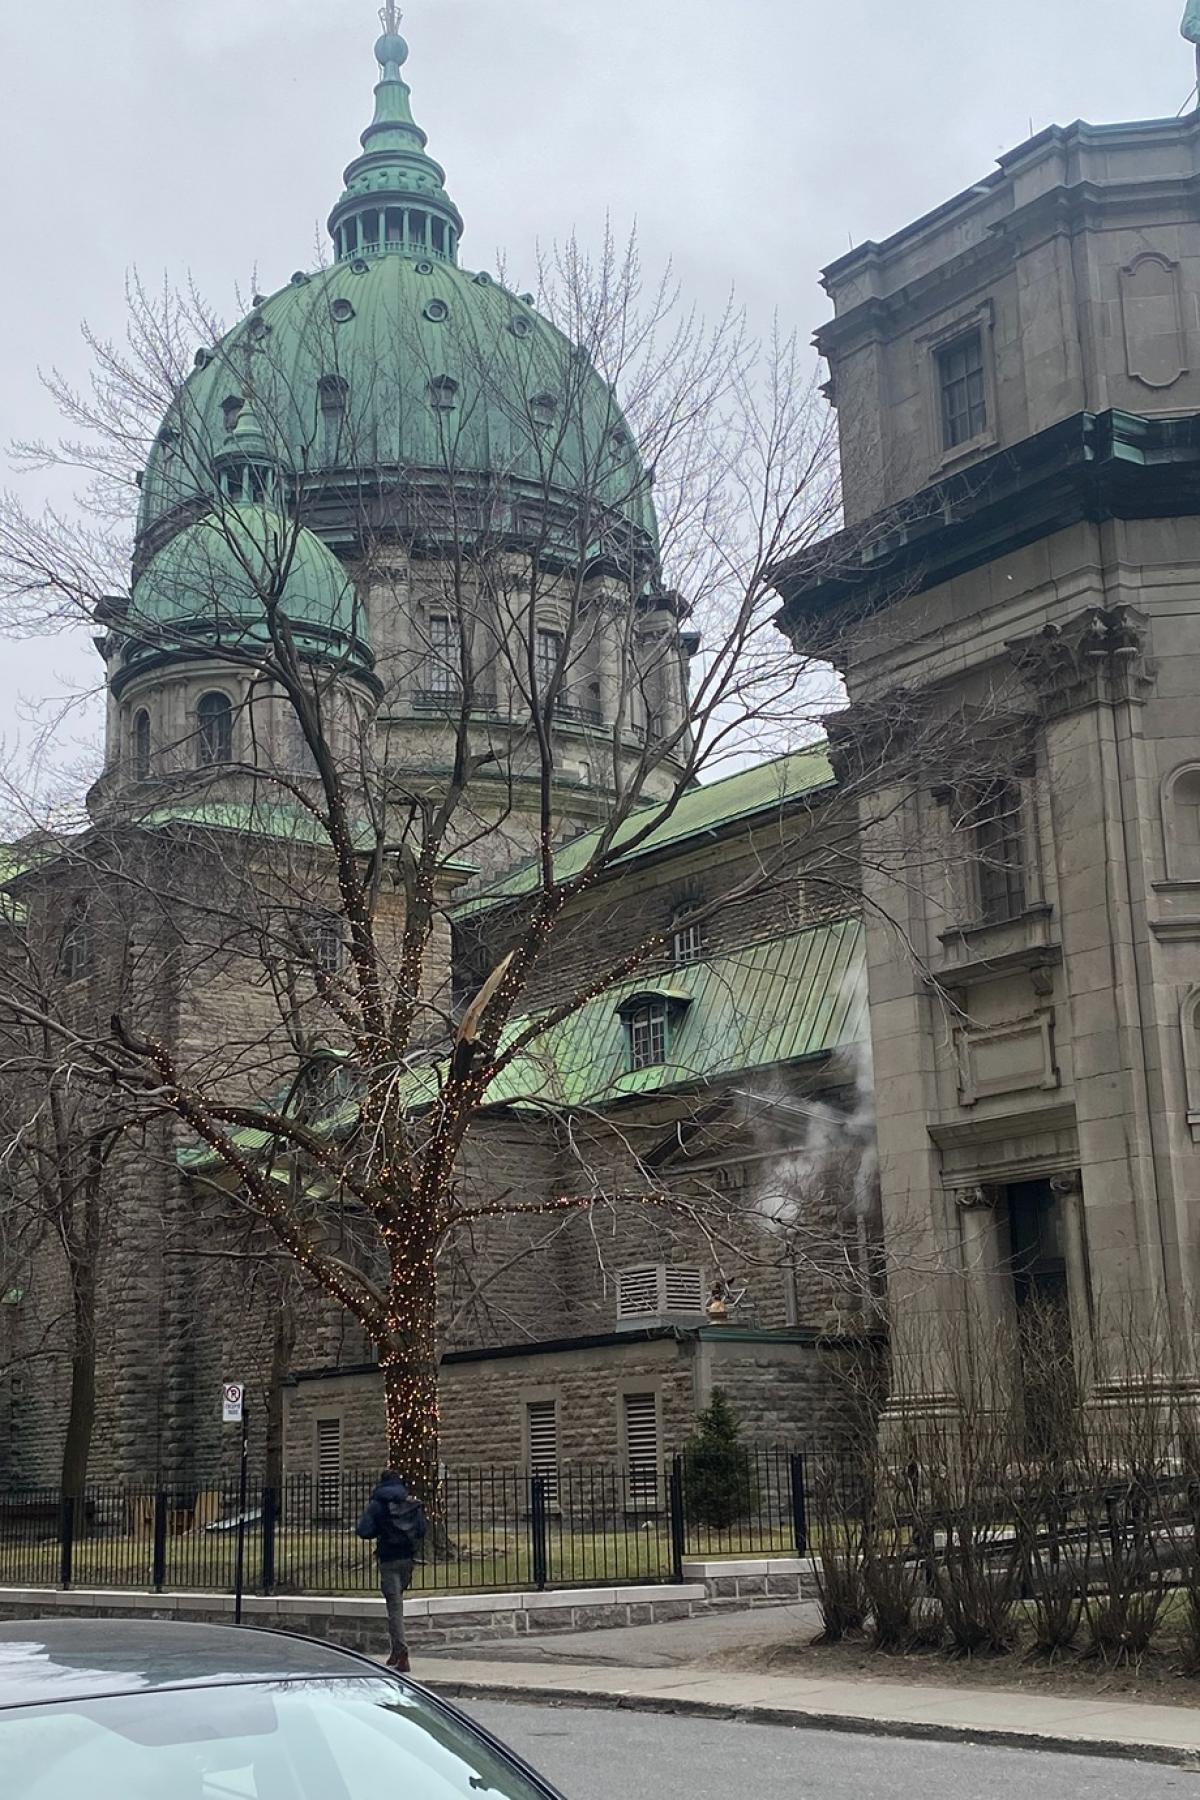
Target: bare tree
<point>569,632</point>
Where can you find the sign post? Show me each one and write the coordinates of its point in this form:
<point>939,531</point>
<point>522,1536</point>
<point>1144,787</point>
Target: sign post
<point>234,1411</point>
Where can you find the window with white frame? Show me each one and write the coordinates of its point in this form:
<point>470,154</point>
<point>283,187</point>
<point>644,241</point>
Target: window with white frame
<point>326,942</point>
<point>541,1427</point>
<point>648,1035</point>
<point>656,1289</point>
<point>687,938</point>
<point>642,1448</point>
<point>962,390</point>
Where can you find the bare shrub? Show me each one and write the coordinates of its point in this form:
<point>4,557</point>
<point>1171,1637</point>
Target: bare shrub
<point>839,1557</point>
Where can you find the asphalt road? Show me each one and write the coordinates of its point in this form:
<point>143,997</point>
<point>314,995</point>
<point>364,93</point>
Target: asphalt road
<point>611,1755</point>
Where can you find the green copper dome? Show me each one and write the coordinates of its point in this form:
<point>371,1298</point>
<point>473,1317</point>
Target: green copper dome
<point>215,579</point>
<point>398,366</point>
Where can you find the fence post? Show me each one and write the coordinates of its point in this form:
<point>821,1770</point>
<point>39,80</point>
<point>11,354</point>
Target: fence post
<point>537,1530</point>
<point>66,1539</point>
<point>799,1502</point>
<point>160,1542</point>
<point>270,1519</point>
<point>678,1525</point>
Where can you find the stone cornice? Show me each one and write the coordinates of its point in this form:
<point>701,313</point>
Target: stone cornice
<point>1089,468</point>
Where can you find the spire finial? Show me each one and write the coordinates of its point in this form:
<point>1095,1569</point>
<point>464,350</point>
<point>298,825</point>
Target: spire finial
<point>395,200</point>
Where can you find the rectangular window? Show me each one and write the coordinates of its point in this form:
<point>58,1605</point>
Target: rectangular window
<point>326,943</point>
<point>964,397</point>
<point>548,655</point>
<point>688,942</point>
<point>445,655</point>
<point>541,1423</point>
<point>642,1449</point>
<point>648,1036</point>
<point>329,1466</point>
<point>999,851</point>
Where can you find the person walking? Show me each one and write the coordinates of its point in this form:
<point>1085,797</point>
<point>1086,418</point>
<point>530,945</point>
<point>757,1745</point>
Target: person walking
<point>395,1521</point>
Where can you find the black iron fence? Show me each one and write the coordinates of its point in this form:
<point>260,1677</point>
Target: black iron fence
<point>498,1528</point>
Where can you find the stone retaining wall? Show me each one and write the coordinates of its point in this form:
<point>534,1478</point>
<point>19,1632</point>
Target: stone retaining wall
<point>359,1622</point>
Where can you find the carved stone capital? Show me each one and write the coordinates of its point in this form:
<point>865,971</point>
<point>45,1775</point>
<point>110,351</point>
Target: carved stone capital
<point>1100,658</point>
<point>976,1197</point>
<point>1065,1187</point>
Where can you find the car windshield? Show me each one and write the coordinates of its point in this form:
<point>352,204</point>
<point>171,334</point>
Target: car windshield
<point>302,1740</point>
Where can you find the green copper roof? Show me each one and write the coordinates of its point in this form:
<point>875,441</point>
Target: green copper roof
<point>702,811</point>
<point>214,580</point>
<point>418,369</point>
<point>398,362</point>
<point>782,1001</point>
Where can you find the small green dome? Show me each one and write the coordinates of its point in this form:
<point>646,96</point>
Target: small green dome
<point>215,579</point>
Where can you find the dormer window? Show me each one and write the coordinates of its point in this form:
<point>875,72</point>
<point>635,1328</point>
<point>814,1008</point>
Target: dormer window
<point>653,1019</point>
<point>334,392</point>
<point>232,408</point>
<point>543,410</point>
<point>443,393</point>
<point>648,1035</point>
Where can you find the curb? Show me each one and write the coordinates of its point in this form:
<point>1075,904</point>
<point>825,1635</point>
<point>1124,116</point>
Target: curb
<point>1170,1755</point>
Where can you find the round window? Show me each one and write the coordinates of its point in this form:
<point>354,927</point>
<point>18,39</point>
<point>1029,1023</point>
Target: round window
<point>437,311</point>
<point>299,279</point>
<point>359,266</point>
<point>483,279</point>
<point>342,311</point>
<point>424,268</point>
<point>520,328</point>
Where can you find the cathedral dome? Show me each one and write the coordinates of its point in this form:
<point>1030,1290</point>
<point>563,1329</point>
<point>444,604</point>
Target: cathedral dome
<point>397,363</point>
<point>214,579</point>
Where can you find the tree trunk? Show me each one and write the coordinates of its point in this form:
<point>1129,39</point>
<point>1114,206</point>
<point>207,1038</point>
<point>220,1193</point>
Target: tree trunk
<point>83,1253</point>
<point>282,1346</point>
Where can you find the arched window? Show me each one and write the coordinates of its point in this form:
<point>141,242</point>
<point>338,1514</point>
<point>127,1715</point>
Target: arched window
<point>141,745</point>
<point>1189,1019</point>
<point>1181,823</point>
<point>214,716</point>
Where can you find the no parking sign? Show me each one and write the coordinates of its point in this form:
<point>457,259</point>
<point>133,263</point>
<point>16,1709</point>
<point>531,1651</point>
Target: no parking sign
<point>233,1400</point>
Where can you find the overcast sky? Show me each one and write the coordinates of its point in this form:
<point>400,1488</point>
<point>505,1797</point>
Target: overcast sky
<point>753,141</point>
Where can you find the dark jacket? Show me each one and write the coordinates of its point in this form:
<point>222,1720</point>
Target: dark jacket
<point>395,1519</point>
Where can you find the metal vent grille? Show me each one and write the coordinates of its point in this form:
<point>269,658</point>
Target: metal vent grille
<point>641,1448</point>
<point>649,1292</point>
<point>329,1464</point>
<point>543,1443</point>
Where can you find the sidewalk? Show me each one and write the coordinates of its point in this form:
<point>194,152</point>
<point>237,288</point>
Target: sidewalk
<point>662,1669</point>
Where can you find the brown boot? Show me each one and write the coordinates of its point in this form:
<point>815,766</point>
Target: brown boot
<point>398,1660</point>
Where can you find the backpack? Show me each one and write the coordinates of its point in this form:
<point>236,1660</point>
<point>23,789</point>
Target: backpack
<point>401,1528</point>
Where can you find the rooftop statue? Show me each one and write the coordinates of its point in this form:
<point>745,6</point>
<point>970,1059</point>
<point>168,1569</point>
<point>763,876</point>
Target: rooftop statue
<point>1191,22</point>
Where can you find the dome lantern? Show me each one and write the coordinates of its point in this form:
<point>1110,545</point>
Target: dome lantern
<point>395,201</point>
